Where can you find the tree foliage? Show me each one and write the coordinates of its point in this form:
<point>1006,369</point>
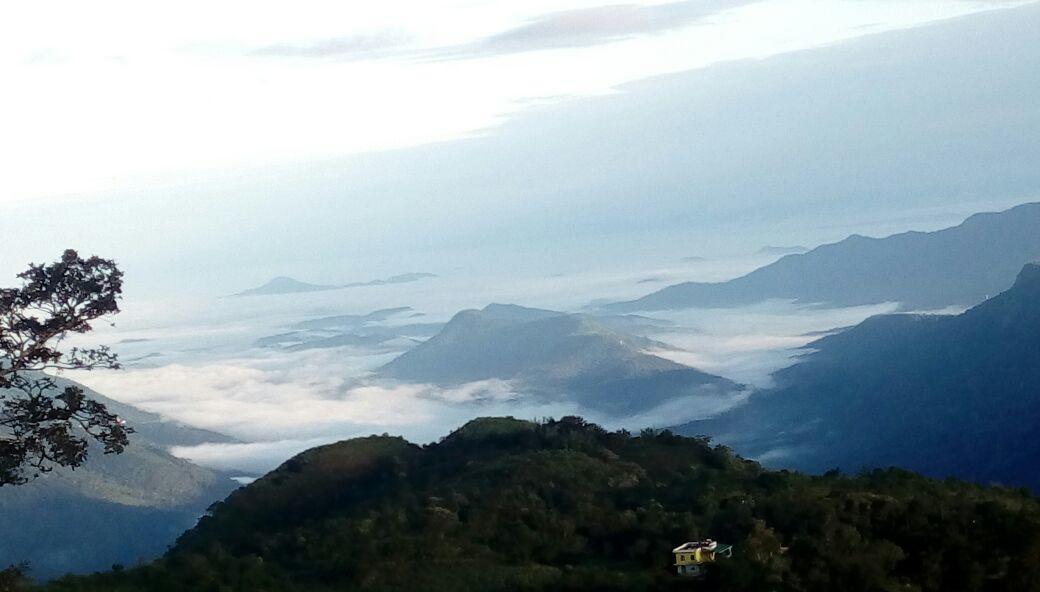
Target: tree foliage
<point>565,505</point>
<point>41,425</point>
<point>13,579</point>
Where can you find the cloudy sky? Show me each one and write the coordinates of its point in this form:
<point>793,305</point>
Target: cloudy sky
<point>210,146</point>
<point>106,95</point>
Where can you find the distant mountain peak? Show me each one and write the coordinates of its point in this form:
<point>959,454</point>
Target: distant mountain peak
<point>554,355</point>
<point>515,312</point>
<point>286,282</point>
<point>287,285</point>
<point>284,285</point>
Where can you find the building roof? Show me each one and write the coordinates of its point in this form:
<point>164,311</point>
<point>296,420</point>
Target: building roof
<point>693,546</point>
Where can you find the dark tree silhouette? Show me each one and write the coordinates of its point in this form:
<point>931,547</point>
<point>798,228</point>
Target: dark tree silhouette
<point>42,426</point>
<point>13,579</point>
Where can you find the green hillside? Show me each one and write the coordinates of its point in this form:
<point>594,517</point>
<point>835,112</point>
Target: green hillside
<point>502,504</point>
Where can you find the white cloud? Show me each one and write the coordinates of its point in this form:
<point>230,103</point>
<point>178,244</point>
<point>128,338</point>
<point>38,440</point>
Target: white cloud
<point>286,396</point>
<point>748,344</point>
<point>280,404</point>
<point>262,456</point>
<point>377,410</point>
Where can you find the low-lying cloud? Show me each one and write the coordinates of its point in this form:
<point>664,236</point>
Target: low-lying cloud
<point>441,418</point>
<point>281,405</point>
<point>748,344</point>
<point>314,394</point>
<point>281,402</point>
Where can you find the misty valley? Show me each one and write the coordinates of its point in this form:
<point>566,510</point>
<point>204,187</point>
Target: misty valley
<point>722,296</point>
<point>816,385</point>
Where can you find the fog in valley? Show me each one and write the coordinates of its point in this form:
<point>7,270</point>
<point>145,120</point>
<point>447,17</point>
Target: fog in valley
<point>205,362</point>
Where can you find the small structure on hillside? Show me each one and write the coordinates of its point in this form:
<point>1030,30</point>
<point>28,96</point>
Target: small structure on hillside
<point>692,559</point>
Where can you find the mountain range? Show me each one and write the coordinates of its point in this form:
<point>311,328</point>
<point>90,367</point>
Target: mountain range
<point>557,356</point>
<point>352,321</point>
<point>368,331</point>
<point>504,505</point>
<point>115,508</point>
<point>958,266</point>
<point>284,285</point>
<point>945,395</point>
<point>288,285</point>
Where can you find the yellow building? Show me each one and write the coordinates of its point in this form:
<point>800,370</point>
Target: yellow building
<point>691,559</point>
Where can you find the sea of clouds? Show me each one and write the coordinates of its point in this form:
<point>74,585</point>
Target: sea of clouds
<point>197,362</point>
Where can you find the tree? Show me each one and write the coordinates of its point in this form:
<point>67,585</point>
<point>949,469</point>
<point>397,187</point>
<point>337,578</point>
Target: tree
<point>13,579</point>
<point>43,426</point>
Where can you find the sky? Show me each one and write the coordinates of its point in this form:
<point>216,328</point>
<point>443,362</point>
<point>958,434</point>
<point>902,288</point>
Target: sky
<point>209,148</point>
<point>113,93</point>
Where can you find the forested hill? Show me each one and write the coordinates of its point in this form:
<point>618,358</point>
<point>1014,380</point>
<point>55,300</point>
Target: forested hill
<point>502,504</point>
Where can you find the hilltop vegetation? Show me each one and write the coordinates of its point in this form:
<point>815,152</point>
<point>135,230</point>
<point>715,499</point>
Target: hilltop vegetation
<point>502,504</point>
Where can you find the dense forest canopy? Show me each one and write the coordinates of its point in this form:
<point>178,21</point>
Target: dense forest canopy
<point>502,504</point>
